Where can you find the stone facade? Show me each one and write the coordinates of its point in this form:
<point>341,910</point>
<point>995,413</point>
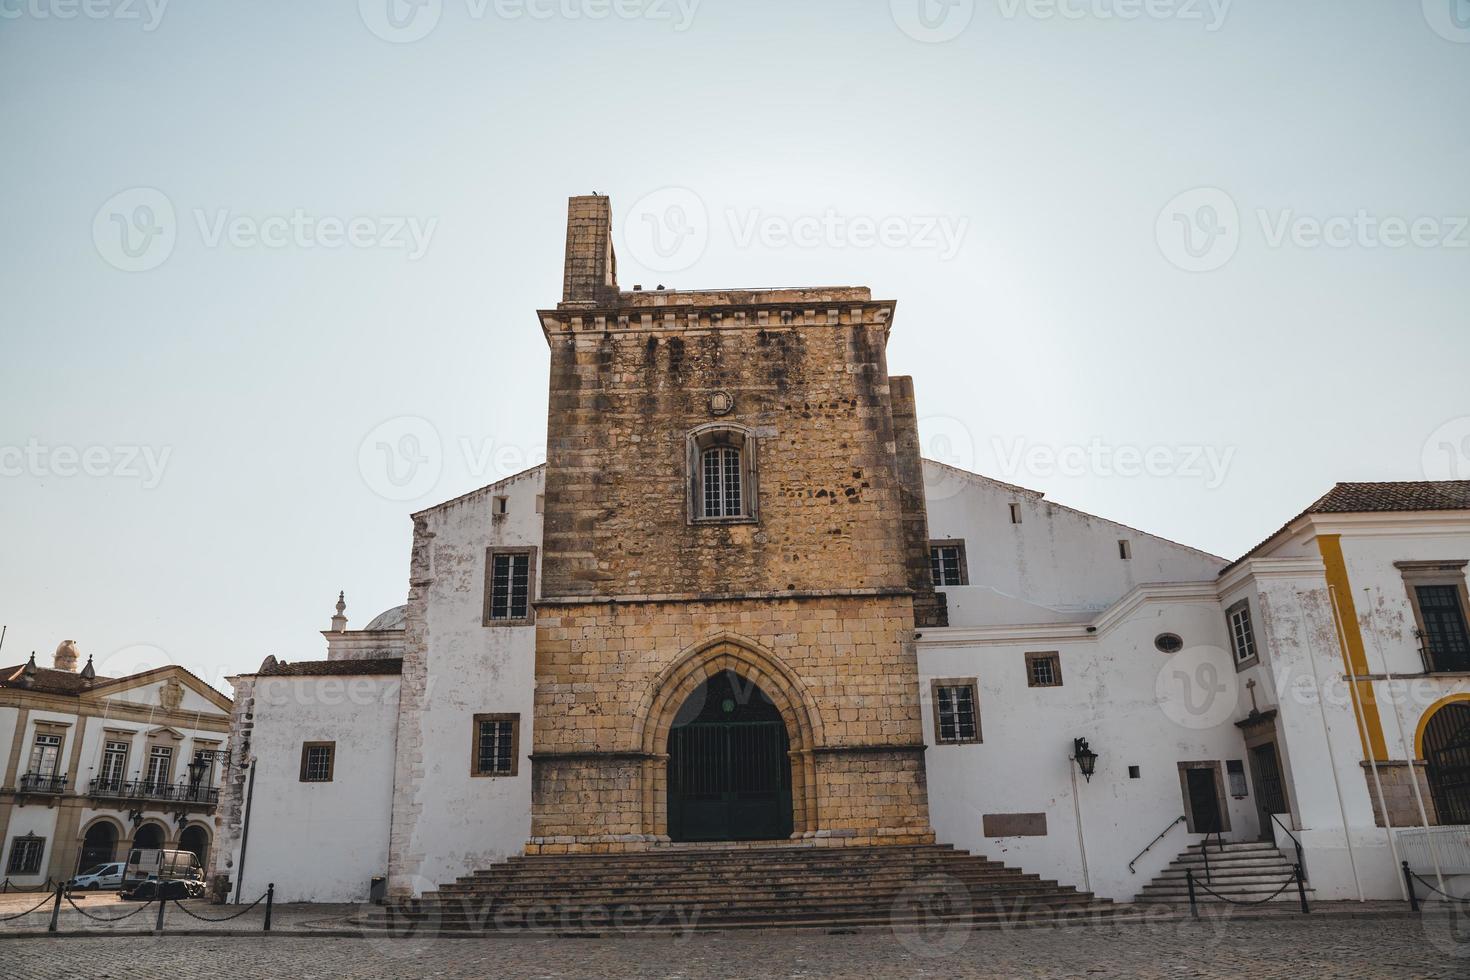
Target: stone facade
<point>812,595</point>
<point>1399,794</point>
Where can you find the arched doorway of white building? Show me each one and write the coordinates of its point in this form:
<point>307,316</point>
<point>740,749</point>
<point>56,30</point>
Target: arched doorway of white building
<point>729,768</point>
<point>1446,747</point>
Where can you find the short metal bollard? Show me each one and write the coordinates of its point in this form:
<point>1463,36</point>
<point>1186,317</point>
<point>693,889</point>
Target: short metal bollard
<point>1409,880</point>
<point>56,907</point>
<point>1189,881</point>
<point>270,899</point>
<point>1301,890</point>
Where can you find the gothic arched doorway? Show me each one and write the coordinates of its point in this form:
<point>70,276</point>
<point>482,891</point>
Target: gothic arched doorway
<point>195,838</point>
<point>99,845</point>
<point>729,774</point>
<point>1447,752</point>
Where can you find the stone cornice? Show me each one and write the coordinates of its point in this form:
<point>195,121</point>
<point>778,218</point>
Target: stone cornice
<point>552,602</point>
<point>1263,568</point>
<point>718,316</point>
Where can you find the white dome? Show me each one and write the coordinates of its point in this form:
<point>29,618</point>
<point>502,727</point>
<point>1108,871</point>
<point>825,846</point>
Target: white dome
<point>388,619</point>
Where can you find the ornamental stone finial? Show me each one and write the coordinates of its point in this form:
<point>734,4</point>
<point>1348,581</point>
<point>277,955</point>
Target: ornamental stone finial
<point>339,621</point>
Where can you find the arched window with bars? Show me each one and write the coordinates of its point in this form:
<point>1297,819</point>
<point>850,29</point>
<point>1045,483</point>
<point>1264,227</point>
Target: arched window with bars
<point>722,474</point>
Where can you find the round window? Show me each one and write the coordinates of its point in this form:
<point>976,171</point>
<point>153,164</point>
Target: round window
<point>1169,642</point>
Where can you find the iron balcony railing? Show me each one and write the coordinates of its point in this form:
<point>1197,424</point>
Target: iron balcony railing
<point>147,789</point>
<point>36,782</point>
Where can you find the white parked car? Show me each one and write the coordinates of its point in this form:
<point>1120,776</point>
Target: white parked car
<point>102,876</point>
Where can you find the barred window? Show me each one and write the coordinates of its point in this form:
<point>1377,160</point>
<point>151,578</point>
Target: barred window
<point>317,761</point>
<point>722,490</point>
<point>1043,670</point>
<point>956,712</point>
<point>721,474</point>
<point>494,750</point>
<point>25,855</point>
<point>509,585</point>
<point>1242,636</point>
<point>947,563</point>
<point>1445,632</point>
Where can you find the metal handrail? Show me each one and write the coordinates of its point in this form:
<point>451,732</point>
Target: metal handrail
<point>1204,849</point>
<point>1162,834</point>
<point>1300,859</point>
<point>147,789</point>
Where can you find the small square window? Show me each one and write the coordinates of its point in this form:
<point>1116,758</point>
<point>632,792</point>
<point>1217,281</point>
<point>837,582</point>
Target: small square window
<point>1134,772</point>
<point>1043,670</point>
<point>317,761</point>
<point>947,563</point>
<point>956,712</point>
<point>496,744</point>
<point>502,506</point>
<point>1125,549</point>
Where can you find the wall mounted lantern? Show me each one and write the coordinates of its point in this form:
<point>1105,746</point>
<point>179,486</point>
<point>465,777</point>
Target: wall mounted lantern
<point>1085,758</point>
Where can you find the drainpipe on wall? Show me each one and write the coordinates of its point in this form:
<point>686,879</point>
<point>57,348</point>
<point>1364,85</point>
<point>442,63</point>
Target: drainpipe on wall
<point>1347,835</point>
<point>1393,845</point>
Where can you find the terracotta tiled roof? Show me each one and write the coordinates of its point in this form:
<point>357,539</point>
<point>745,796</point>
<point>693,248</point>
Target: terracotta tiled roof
<point>47,680</point>
<point>1364,498</point>
<point>333,668</point>
<point>1377,498</point>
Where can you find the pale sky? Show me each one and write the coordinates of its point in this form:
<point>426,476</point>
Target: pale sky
<point>246,244</point>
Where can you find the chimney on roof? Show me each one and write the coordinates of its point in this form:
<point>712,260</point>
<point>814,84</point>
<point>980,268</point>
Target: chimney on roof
<point>65,658</point>
<point>89,673</point>
<point>590,276</point>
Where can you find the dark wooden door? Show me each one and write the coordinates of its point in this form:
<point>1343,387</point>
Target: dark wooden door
<point>1204,800</point>
<point>1270,791</point>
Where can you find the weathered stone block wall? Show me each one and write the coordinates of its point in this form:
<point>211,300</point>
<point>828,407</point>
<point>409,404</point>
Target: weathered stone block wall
<point>808,379</point>
<point>610,677</point>
<point>1398,793</point>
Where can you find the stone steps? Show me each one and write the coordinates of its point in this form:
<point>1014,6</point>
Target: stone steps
<point>684,887</point>
<point>1240,872</point>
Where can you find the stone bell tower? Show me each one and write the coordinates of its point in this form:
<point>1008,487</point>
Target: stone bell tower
<point>733,492</point>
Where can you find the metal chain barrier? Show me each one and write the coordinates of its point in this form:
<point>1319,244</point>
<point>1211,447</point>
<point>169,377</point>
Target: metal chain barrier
<point>8,918</point>
<point>1287,884</point>
<point>223,918</point>
<point>1465,901</point>
<point>108,918</point>
<point>1295,879</point>
<point>8,886</point>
